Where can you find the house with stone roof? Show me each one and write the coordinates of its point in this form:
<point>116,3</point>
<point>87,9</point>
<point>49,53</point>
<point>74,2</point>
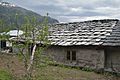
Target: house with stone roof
<point>94,44</point>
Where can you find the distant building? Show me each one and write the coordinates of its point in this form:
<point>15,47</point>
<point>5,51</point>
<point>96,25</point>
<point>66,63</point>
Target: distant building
<point>5,44</point>
<point>94,44</point>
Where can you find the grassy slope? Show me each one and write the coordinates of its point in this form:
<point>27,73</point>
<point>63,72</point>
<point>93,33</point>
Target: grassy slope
<point>4,75</point>
<point>12,64</point>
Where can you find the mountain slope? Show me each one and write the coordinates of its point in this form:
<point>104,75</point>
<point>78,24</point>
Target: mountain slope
<point>9,12</point>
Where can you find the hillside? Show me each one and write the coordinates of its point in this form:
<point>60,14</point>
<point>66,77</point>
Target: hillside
<point>9,11</point>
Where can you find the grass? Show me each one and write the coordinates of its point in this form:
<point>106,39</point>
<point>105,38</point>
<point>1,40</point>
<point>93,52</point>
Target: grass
<point>62,73</point>
<point>67,73</point>
<point>5,75</point>
<point>45,72</point>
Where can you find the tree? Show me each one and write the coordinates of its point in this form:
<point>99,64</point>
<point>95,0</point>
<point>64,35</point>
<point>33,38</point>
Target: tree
<point>32,42</point>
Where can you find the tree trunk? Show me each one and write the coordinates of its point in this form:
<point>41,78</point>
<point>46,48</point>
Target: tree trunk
<point>31,58</point>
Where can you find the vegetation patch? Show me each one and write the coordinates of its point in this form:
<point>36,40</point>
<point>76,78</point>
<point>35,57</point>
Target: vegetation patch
<point>5,75</point>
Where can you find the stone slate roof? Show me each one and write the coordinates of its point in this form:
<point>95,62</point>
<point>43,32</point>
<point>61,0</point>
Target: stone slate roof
<point>96,32</point>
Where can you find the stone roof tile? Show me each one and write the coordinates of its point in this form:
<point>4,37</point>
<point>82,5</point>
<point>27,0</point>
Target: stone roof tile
<point>96,32</point>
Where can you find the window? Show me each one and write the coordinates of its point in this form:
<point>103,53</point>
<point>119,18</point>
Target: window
<point>3,44</point>
<point>68,55</point>
<point>71,55</point>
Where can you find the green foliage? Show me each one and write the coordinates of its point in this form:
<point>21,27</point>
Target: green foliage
<point>87,69</point>
<point>5,75</point>
<point>35,34</point>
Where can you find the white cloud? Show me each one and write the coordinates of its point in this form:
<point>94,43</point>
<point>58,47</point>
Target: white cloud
<point>73,10</point>
<point>107,10</point>
<point>77,18</point>
<point>79,9</point>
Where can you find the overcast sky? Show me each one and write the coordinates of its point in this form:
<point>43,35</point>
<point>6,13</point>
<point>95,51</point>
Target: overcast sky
<point>73,10</point>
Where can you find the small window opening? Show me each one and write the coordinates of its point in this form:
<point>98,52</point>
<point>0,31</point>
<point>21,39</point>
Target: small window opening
<point>73,55</point>
<point>68,55</point>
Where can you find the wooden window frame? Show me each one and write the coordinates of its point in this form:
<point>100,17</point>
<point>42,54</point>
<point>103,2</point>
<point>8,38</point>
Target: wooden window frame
<point>71,55</point>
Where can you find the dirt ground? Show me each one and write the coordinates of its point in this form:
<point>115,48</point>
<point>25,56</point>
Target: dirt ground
<point>14,65</point>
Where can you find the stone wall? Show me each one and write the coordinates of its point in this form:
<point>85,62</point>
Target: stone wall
<point>112,59</point>
<point>85,56</point>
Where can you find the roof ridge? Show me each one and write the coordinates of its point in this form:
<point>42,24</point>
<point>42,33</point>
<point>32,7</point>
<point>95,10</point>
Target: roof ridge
<point>101,20</point>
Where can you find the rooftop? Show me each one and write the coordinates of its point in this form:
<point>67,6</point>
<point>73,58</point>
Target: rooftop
<point>96,32</point>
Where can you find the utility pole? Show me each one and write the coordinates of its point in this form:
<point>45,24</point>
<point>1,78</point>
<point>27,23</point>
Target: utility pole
<point>16,16</point>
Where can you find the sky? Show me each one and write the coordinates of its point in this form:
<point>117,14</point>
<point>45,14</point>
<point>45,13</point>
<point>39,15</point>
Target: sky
<point>73,10</point>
